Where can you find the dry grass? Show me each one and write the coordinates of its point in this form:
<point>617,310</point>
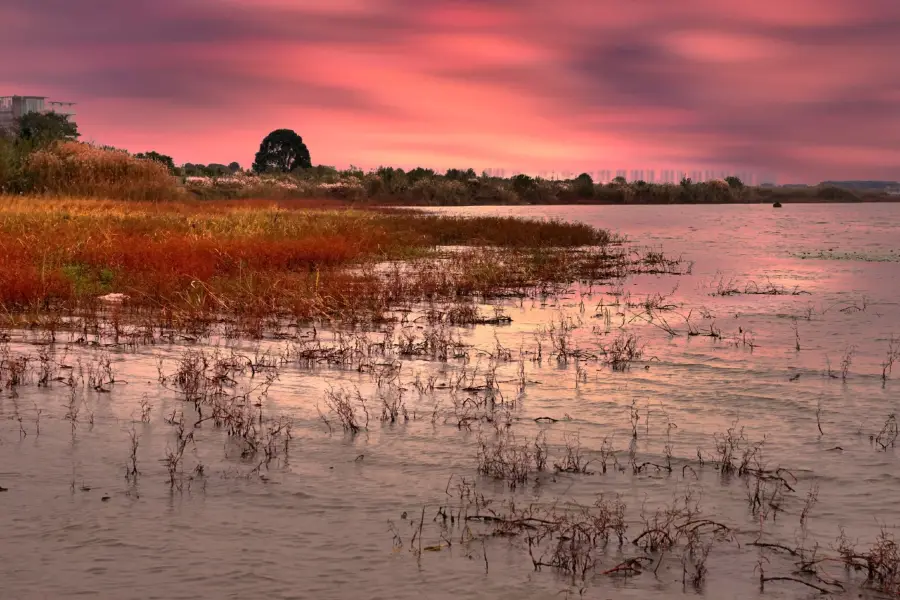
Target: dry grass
<point>81,169</point>
<point>193,259</point>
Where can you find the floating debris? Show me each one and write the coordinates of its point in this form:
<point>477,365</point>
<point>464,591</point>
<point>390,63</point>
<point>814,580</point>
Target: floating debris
<point>113,298</point>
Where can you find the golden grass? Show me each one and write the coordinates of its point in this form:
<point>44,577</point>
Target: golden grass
<point>264,258</point>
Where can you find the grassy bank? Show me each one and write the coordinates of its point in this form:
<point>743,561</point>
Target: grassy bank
<point>183,261</point>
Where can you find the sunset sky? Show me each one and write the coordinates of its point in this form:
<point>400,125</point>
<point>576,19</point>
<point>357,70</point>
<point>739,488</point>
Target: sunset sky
<point>806,89</point>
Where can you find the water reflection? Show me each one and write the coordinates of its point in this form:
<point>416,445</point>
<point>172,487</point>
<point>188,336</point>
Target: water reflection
<point>315,524</point>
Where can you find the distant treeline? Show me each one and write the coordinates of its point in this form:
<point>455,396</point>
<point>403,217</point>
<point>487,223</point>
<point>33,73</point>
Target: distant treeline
<point>425,187</point>
<point>862,184</point>
<point>41,156</point>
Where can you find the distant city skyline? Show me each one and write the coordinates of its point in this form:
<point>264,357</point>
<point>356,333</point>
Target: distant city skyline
<point>648,175</point>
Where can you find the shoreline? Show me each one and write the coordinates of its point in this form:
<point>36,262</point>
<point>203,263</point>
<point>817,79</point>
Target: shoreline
<point>892,200</point>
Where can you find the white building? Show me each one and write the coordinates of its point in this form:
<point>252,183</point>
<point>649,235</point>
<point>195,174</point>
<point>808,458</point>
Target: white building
<point>13,107</point>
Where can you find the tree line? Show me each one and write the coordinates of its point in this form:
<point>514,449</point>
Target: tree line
<point>281,151</point>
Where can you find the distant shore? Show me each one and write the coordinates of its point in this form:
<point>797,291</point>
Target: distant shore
<point>869,199</point>
<point>394,187</point>
<point>80,170</point>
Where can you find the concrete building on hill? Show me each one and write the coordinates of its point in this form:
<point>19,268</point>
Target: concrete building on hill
<point>13,107</point>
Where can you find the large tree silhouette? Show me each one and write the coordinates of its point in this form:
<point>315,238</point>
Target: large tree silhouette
<point>282,151</point>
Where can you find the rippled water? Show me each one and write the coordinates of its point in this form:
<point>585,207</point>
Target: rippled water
<point>318,526</point>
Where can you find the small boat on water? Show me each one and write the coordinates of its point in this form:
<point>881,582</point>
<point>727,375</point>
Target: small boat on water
<point>777,205</point>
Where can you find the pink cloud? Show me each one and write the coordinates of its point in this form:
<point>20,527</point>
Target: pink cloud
<point>808,89</point>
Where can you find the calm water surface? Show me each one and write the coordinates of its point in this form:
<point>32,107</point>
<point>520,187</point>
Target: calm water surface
<point>320,526</point>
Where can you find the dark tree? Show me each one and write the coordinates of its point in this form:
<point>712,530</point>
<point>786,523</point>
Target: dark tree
<point>734,182</point>
<point>419,173</point>
<point>234,167</point>
<point>45,128</point>
<point>320,171</point>
<point>584,186</point>
<point>160,158</point>
<point>523,184</point>
<point>460,175</point>
<point>394,180</point>
<point>282,151</point>
<point>585,177</point>
<point>191,169</point>
<point>217,170</point>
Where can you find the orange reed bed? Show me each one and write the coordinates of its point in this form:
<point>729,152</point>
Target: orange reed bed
<point>270,258</point>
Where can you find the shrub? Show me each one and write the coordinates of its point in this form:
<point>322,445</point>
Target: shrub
<point>9,164</point>
<point>160,158</point>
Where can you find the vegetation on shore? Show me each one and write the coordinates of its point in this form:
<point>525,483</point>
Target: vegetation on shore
<point>43,158</point>
<point>76,169</point>
<point>423,187</point>
<point>189,260</point>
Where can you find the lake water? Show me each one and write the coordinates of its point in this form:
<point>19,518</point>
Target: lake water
<point>801,371</point>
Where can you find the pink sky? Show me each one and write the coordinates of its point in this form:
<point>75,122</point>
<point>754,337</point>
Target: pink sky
<point>805,89</point>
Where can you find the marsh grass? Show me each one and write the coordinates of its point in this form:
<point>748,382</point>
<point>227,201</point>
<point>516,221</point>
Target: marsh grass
<point>624,350</point>
<point>73,168</point>
<point>892,356</point>
<point>887,436</point>
<point>349,408</point>
<point>723,286</point>
<point>227,388</point>
<point>511,460</point>
<point>189,262</point>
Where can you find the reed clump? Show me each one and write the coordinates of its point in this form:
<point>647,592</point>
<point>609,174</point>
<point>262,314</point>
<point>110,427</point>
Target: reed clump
<point>74,168</point>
